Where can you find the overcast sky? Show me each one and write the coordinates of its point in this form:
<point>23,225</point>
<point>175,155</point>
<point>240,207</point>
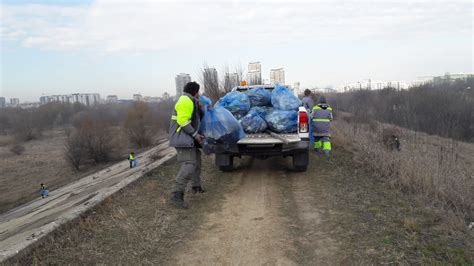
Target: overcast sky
<point>126,47</point>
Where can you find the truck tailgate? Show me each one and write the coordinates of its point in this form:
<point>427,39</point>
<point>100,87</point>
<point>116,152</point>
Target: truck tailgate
<point>265,138</point>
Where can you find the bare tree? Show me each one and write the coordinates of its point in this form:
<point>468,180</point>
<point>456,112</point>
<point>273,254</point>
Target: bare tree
<point>95,133</point>
<point>138,125</point>
<point>75,149</point>
<point>233,77</point>
<point>26,125</point>
<point>210,81</point>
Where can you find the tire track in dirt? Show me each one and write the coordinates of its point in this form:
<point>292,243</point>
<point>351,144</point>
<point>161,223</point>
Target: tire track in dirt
<point>248,229</point>
<point>305,208</point>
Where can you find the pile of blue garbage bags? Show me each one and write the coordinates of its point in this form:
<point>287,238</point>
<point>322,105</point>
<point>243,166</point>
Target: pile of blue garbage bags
<point>255,111</point>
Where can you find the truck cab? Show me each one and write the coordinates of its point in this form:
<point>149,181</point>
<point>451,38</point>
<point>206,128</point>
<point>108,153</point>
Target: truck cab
<point>265,145</point>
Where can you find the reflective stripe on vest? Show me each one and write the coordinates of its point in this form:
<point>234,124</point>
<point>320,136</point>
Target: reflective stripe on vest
<point>317,107</point>
<point>175,118</point>
<point>321,120</point>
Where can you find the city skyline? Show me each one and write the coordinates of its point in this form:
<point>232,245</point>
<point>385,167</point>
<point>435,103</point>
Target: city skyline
<point>318,43</point>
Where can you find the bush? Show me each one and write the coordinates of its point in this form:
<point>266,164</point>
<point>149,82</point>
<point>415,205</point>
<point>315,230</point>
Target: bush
<point>17,149</point>
<point>139,125</point>
<point>76,149</point>
<point>444,109</point>
<point>25,125</point>
<point>90,140</point>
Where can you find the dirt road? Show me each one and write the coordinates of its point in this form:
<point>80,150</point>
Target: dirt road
<point>262,213</point>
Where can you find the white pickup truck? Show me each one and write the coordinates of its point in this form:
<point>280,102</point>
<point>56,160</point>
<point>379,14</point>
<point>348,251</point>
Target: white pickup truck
<point>265,145</point>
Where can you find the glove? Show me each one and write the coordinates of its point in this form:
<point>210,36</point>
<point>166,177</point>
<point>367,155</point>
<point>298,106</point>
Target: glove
<point>199,138</point>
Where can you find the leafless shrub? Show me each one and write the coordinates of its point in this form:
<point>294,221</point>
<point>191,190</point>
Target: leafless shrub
<point>75,149</point>
<point>162,114</point>
<point>17,149</point>
<point>25,125</point>
<point>444,109</point>
<point>139,125</point>
<point>92,135</point>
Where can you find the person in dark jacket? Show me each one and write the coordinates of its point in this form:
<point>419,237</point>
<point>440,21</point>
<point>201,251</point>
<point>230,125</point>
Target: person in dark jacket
<point>307,100</point>
<point>322,118</point>
<point>184,136</point>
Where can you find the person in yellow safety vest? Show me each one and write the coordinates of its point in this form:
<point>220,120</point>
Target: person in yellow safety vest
<point>184,136</point>
<point>132,160</point>
<point>321,118</point>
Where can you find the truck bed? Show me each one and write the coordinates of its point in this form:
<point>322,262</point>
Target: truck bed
<point>265,138</point>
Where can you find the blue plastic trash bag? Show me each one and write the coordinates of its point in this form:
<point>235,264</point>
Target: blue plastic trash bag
<point>284,99</point>
<point>205,102</point>
<point>262,111</point>
<point>237,103</point>
<point>253,123</point>
<point>282,121</point>
<point>221,129</point>
<point>260,97</point>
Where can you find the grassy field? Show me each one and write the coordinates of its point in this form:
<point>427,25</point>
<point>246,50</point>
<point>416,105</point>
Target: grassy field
<point>42,162</point>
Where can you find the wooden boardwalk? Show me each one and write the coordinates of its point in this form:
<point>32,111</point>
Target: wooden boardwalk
<point>26,224</point>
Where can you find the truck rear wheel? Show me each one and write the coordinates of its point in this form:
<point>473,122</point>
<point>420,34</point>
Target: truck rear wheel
<point>224,162</point>
<point>301,161</point>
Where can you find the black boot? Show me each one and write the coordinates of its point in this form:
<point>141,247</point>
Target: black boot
<point>198,189</point>
<point>177,199</point>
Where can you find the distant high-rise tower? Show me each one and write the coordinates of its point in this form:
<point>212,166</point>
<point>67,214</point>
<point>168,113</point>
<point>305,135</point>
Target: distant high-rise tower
<point>3,102</point>
<point>14,101</point>
<point>137,97</point>
<point>296,86</point>
<point>254,74</point>
<point>112,98</point>
<point>277,75</point>
<point>181,80</point>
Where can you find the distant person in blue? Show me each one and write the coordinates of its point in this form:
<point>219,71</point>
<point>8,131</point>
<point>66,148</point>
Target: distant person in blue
<point>132,160</point>
<point>44,191</point>
<point>308,102</point>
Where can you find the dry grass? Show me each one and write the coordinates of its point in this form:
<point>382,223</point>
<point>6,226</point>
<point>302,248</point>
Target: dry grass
<point>6,140</point>
<point>436,168</point>
<point>373,223</point>
<point>42,162</point>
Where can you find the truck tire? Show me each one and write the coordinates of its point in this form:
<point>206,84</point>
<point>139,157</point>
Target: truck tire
<point>301,161</point>
<point>224,162</point>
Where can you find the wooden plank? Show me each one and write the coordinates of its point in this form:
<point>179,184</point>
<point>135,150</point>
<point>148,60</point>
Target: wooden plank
<point>26,224</point>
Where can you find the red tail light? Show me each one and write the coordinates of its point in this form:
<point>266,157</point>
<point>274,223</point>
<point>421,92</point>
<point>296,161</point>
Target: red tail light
<point>303,122</point>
